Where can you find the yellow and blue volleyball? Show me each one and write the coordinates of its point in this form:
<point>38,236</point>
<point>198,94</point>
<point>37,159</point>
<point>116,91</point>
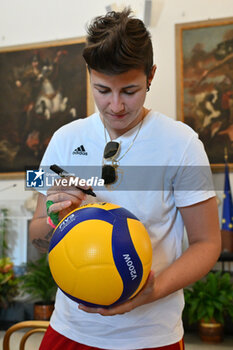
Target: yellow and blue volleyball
<point>100,254</point>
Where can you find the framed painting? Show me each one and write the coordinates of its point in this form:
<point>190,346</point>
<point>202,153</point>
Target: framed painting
<point>204,82</point>
<point>43,86</point>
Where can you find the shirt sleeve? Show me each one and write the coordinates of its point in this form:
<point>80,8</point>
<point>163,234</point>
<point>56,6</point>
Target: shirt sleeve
<point>193,179</point>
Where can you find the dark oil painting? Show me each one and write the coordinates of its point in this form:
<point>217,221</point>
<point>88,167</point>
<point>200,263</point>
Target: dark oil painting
<point>205,84</point>
<point>41,89</point>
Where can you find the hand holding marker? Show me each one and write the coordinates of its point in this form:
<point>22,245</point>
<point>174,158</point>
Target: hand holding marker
<point>62,173</point>
<point>53,218</point>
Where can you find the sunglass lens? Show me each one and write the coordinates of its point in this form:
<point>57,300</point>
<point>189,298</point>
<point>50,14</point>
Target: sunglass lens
<point>111,149</point>
<point>108,174</point>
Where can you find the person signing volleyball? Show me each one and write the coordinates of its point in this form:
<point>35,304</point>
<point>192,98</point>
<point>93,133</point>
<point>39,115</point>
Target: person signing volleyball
<point>122,134</point>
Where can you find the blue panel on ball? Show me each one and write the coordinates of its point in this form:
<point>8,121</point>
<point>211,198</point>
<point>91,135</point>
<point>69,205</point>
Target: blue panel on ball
<point>126,259</point>
<point>75,218</point>
<point>122,212</point>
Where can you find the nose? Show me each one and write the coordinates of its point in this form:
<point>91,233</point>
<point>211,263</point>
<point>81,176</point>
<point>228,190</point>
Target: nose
<point>117,103</point>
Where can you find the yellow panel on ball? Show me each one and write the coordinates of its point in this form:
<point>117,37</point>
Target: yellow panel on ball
<point>92,274</point>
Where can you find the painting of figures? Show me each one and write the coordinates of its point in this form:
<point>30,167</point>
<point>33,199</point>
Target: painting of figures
<point>43,86</point>
<point>205,84</point>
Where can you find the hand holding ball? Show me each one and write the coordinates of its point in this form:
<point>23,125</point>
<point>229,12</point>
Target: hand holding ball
<point>100,254</point>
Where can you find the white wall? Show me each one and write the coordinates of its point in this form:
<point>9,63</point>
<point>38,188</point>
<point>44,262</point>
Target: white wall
<point>31,21</point>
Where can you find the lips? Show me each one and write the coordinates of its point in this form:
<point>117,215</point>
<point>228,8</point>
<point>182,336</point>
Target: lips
<point>118,116</point>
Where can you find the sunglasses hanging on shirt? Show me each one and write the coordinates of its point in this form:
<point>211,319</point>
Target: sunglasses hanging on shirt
<point>111,153</point>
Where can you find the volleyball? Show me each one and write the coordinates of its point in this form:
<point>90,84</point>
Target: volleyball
<point>100,255</point>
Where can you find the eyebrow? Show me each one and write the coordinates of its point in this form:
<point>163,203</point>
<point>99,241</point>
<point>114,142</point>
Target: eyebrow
<point>125,87</point>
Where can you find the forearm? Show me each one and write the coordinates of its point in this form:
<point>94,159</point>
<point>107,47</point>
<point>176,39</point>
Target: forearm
<point>64,202</point>
<point>193,264</point>
<point>202,225</point>
<point>40,233</point>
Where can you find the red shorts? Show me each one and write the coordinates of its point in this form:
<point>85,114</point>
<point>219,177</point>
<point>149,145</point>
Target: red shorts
<point>55,341</point>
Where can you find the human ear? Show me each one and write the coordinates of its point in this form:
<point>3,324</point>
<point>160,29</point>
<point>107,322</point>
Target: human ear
<point>150,77</point>
<point>152,73</point>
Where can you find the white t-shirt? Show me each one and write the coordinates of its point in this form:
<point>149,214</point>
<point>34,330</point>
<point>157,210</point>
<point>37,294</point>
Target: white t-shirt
<point>162,143</point>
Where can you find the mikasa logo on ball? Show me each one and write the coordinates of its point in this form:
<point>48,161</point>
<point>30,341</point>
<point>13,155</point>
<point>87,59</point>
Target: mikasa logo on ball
<point>130,265</point>
<point>66,222</point>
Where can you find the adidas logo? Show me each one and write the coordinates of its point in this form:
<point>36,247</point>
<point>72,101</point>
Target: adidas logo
<point>80,150</point>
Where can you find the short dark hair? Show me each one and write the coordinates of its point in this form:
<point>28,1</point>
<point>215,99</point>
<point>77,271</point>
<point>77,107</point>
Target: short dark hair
<point>118,42</point>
